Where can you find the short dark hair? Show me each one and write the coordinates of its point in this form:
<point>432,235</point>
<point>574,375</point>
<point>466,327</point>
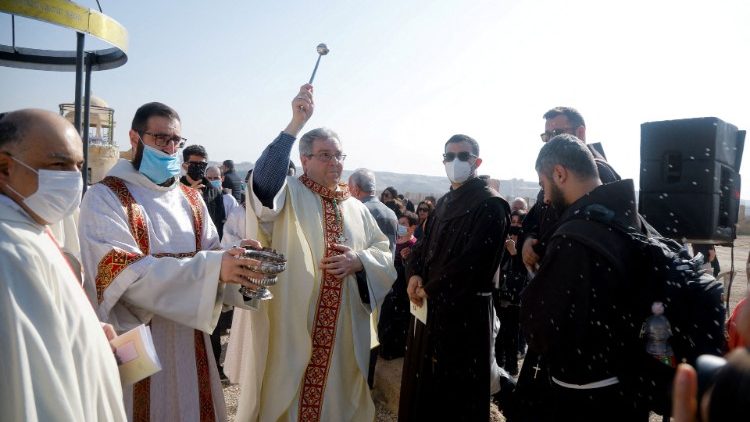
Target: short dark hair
<point>573,116</point>
<point>413,219</point>
<point>520,213</point>
<point>148,110</point>
<point>568,151</point>
<point>194,150</point>
<point>229,164</point>
<point>455,139</point>
<point>140,124</point>
<point>391,190</point>
<point>11,130</point>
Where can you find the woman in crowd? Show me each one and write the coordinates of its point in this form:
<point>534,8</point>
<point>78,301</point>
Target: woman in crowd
<point>389,194</point>
<point>424,209</point>
<point>508,297</point>
<point>394,314</point>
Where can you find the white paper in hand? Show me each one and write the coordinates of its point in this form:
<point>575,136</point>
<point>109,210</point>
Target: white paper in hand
<point>419,312</point>
<point>136,355</point>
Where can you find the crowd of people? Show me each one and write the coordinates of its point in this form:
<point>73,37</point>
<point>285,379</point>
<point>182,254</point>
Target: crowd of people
<point>464,288</point>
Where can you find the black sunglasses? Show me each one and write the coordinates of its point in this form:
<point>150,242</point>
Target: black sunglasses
<point>198,164</point>
<point>462,156</point>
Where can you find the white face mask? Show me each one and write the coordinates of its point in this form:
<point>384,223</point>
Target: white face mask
<point>58,193</point>
<point>458,171</point>
<point>402,230</point>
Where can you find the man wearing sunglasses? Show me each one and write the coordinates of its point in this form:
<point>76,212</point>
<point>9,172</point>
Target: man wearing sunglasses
<point>537,227</point>
<point>195,163</point>
<point>446,372</point>
<point>148,244</point>
<point>541,217</point>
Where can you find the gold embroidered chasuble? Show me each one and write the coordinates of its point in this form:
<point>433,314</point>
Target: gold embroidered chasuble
<point>150,251</point>
<point>309,345</point>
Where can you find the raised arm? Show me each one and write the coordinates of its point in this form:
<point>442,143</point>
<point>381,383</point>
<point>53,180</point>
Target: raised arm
<point>271,168</point>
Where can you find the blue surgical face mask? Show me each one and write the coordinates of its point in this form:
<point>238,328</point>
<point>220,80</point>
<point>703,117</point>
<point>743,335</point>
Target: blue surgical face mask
<point>216,184</point>
<point>157,165</point>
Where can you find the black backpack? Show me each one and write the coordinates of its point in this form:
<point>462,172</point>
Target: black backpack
<point>665,272</point>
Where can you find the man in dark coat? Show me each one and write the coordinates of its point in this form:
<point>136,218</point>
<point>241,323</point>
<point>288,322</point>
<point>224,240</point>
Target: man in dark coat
<point>195,162</point>
<point>231,180</point>
<point>447,365</point>
<point>576,311</point>
<point>538,226</point>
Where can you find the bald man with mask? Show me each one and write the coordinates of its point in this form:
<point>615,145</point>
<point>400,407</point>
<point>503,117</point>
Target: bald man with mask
<point>56,360</point>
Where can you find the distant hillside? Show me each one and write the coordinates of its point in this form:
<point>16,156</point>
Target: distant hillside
<point>417,186</point>
<point>413,186</point>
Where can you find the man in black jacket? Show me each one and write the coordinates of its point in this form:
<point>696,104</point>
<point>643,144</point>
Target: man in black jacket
<point>575,312</point>
<point>195,162</point>
<point>447,365</point>
<point>538,225</point>
<point>231,179</point>
<point>542,217</point>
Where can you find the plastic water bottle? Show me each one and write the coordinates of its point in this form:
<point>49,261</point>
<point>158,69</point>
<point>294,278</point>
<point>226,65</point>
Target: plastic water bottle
<point>657,331</point>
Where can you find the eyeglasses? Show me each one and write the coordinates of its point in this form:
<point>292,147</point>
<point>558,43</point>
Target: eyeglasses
<point>462,156</point>
<point>326,157</point>
<point>423,209</point>
<point>199,164</point>
<point>546,136</point>
<point>163,139</point>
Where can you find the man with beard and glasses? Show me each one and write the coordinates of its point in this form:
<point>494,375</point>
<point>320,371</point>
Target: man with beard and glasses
<point>448,362</point>
<point>306,352</point>
<point>575,312</point>
<point>541,217</point>
<point>149,245</point>
<point>195,163</point>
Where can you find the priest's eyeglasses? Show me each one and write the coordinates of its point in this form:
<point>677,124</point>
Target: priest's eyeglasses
<point>163,139</point>
<point>462,156</point>
<point>326,157</point>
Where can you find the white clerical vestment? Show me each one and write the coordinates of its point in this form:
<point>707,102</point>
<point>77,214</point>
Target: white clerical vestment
<point>55,360</point>
<point>234,227</point>
<point>308,350</point>
<point>155,257</point>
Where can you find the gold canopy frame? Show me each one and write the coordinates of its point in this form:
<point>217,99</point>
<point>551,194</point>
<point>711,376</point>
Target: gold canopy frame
<point>72,16</point>
<point>84,21</point>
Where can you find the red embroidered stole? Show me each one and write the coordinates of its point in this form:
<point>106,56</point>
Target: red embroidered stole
<point>327,310</point>
<point>117,260</point>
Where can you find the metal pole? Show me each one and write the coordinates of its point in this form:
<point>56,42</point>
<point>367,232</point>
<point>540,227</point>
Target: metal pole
<point>79,76</point>
<point>315,70</point>
<point>86,121</point>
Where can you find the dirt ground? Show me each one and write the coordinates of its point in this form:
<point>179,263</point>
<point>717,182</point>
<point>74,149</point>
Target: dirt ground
<point>388,373</point>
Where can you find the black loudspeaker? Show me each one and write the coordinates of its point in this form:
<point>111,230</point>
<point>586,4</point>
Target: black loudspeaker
<point>689,178</point>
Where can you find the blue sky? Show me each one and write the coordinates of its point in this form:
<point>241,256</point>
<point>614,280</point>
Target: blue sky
<point>403,76</point>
